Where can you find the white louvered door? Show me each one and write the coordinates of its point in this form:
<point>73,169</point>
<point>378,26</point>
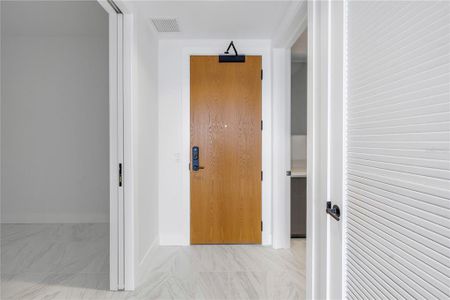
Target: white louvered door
<point>397,240</point>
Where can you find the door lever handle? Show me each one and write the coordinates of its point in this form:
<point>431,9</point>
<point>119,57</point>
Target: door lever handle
<point>334,211</point>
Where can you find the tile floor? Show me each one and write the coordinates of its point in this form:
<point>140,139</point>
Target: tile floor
<point>70,261</point>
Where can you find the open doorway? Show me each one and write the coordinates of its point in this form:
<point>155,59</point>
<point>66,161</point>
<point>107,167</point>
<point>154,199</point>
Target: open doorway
<point>299,84</point>
<point>55,147</point>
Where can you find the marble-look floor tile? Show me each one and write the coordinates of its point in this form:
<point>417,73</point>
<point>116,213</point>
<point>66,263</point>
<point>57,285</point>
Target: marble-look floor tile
<point>54,286</point>
<point>70,261</point>
<point>54,248</point>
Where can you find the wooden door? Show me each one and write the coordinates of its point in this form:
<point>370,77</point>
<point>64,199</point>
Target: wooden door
<point>226,126</point>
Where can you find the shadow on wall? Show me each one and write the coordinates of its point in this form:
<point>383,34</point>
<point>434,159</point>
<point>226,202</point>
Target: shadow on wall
<point>298,98</point>
<point>55,145</point>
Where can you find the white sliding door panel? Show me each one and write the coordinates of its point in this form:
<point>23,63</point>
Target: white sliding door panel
<point>398,150</point>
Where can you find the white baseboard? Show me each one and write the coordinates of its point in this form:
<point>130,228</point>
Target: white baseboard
<point>145,261</point>
<point>173,240</point>
<point>30,218</point>
<point>181,240</point>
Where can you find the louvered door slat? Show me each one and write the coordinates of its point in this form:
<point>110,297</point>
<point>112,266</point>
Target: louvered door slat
<point>398,150</point>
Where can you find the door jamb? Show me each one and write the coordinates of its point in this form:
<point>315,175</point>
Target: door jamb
<point>121,227</point>
<point>337,99</point>
<point>293,26</point>
<point>317,144</point>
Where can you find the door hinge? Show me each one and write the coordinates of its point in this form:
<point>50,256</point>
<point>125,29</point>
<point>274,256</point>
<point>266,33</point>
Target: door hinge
<point>262,175</point>
<point>262,226</point>
<point>262,125</point>
<point>262,74</point>
<point>120,174</point>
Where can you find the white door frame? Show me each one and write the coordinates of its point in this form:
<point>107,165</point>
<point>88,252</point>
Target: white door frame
<point>320,88</point>
<point>337,98</point>
<point>296,22</point>
<point>121,207</point>
<point>281,147</point>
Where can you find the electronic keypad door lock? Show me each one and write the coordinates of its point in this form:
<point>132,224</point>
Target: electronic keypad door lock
<point>334,211</point>
<point>196,159</point>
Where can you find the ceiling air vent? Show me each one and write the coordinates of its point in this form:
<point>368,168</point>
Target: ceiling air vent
<point>166,25</point>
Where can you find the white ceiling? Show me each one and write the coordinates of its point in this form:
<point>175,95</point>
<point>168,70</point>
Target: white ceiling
<point>197,19</point>
<point>53,18</point>
<point>218,19</point>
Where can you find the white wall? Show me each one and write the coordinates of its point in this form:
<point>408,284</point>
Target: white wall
<point>54,117</point>
<point>173,139</point>
<point>145,136</point>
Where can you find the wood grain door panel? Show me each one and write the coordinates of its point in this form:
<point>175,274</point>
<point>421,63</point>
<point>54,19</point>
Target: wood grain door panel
<point>226,126</point>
